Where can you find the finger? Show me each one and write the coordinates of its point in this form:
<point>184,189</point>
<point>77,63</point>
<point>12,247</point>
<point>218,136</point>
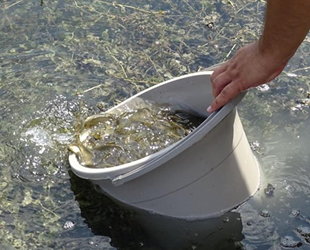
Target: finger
<point>220,82</point>
<point>228,93</point>
<point>218,70</point>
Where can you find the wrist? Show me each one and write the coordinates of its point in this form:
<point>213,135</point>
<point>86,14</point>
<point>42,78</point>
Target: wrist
<point>274,56</point>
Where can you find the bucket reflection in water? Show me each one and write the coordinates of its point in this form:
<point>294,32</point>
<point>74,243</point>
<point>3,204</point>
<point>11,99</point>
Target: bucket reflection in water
<point>130,228</point>
<point>222,232</point>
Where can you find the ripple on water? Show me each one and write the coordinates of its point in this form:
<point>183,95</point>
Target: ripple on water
<point>258,230</point>
<point>40,143</point>
<point>44,139</point>
<point>269,190</point>
<point>289,174</point>
<point>68,225</point>
<point>265,213</point>
<point>290,242</point>
<point>84,243</point>
<point>303,231</point>
<point>42,56</point>
<point>295,213</point>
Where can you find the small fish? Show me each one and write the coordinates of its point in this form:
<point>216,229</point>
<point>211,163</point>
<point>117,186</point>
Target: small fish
<point>86,156</point>
<point>131,133</point>
<point>269,190</point>
<point>107,147</point>
<point>95,120</point>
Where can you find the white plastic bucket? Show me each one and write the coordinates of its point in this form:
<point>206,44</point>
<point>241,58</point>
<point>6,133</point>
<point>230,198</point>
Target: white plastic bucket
<point>210,171</point>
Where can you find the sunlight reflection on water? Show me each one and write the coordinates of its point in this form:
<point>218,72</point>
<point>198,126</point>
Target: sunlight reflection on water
<point>63,61</point>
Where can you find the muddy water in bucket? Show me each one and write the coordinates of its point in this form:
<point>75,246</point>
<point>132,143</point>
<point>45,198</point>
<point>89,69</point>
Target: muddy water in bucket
<point>113,139</point>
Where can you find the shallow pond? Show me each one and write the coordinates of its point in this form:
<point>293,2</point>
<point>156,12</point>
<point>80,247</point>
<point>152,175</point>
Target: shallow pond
<point>61,61</point>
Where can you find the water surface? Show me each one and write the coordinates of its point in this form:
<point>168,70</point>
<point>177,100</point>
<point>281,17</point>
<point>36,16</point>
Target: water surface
<point>61,61</point>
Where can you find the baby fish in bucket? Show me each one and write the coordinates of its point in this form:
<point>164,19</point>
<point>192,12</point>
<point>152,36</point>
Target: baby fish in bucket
<point>108,140</point>
<point>160,152</point>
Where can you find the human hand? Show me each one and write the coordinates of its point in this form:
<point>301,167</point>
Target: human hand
<point>248,68</point>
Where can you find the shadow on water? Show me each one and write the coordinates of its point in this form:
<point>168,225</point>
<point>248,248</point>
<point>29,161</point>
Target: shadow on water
<point>130,228</point>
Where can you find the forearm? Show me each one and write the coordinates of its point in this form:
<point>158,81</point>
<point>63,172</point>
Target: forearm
<point>287,22</point>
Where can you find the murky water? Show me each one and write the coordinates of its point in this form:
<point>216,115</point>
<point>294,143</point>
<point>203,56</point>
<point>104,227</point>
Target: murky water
<point>131,132</point>
<point>61,61</point>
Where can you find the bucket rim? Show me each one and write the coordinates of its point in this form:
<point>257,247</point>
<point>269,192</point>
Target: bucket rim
<point>119,173</point>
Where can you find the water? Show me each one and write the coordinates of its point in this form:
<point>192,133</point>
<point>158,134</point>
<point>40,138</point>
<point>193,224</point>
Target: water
<point>62,61</point>
<point>131,133</point>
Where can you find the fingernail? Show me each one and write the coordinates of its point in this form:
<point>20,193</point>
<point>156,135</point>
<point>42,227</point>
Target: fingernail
<point>209,109</point>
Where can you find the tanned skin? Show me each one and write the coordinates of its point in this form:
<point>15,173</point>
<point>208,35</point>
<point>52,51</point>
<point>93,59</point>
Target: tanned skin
<point>287,23</point>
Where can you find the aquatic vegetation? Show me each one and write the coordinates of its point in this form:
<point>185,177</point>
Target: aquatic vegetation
<point>131,133</point>
<point>62,61</point>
